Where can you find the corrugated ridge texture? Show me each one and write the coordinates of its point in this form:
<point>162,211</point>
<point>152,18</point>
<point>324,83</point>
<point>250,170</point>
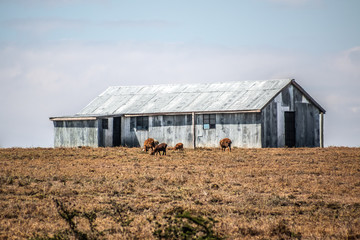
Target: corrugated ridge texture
<point>227,96</point>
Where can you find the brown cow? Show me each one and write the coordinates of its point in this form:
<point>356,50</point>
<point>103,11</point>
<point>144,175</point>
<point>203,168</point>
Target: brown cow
<point>225,143</point>
<point>160,148</point>
<point>149,143</point>
<point>179,146</point>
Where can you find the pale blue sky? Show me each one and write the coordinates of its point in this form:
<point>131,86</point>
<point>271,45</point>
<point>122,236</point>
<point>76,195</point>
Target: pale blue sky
<point>319,26</point>
<point>57,55</point>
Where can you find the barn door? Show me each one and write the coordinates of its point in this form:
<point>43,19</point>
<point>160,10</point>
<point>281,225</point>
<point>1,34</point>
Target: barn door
<point>103,127</point>
<point>290,135</point>
<point>117,131</point>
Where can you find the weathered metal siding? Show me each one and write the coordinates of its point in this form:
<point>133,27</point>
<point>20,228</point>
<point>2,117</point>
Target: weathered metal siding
<point>273,120</point>
<point>105,135</point>
<point>76,133</point>
<point>170,129</point>
<point>306,120</point>
<point>129,135</point>
<point>269,126</point>
<point>244,129</point>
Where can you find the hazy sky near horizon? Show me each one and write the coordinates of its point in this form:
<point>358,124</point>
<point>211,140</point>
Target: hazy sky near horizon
<point>58,55</point>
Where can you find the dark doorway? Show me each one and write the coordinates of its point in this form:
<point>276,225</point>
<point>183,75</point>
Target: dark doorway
<point>290,135</point>
<point>103,125</point>
<point>117,131</point>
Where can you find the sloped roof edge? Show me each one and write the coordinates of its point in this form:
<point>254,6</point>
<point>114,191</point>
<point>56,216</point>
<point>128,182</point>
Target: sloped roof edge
<point>308,96</point>
<point>295,84</point>
<point>180,98</point>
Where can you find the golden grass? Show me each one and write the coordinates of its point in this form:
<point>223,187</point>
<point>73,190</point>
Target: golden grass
<point>308,193</point>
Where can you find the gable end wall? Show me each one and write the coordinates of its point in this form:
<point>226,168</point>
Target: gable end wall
<point>306,119</point>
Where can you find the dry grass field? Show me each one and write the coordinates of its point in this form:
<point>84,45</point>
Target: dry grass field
<point>124,193</point>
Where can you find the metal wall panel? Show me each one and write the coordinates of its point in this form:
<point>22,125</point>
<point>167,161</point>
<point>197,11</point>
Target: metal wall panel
<point>270,125</point>
<point>244,129</point>
<point>307,125</point>
<point>105,136</point>
<point>75,133</point>
<point>306,120</point>
<point>169,129</point>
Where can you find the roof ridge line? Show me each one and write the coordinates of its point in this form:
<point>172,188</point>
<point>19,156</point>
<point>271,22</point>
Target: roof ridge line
<point>182,84</point>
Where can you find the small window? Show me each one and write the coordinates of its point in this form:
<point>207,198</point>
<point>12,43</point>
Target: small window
<point>209,121</point>
<point>168,120</point>
<point>189,119</point>
<point>132,124</point>
<point>142,123</point>
<point>105,123</point>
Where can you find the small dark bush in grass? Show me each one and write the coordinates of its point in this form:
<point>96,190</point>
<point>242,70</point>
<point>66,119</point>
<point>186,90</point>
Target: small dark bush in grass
<point>69,216</point>
<point>282,231</point>
<point>250,231</point>
<point>182,224</point>
<point>121,213</point>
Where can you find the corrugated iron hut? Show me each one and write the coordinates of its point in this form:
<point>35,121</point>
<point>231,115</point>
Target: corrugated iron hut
<point>272,113</point>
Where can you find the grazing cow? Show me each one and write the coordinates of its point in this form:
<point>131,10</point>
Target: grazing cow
<point>160,148</point>
<point>149,143</point>
<point>225,143</point>
<point>156,142</point>
<point>179,146</point>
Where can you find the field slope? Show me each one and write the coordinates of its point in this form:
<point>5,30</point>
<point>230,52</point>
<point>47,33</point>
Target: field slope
<point>124,193</point>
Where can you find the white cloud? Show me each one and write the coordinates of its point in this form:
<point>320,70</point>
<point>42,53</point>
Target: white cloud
<point>355,109</point>
<point>349,61</point>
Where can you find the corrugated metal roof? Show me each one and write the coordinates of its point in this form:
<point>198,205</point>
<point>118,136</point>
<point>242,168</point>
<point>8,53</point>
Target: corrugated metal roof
<point>184,98</point>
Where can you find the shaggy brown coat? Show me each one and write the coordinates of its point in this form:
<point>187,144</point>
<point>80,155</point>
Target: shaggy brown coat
<point>149,143</point>
<point>160,148</point>
<point>179,146</point>
<point>225,143</point>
